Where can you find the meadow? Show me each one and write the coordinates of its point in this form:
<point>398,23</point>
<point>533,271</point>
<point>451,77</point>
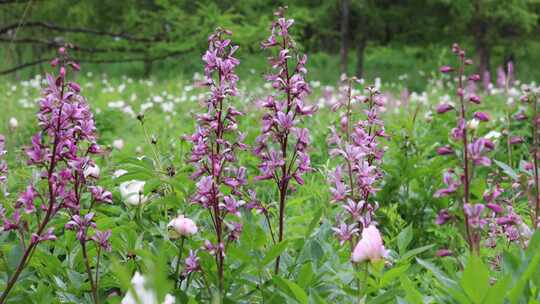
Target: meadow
<point>350,190</point>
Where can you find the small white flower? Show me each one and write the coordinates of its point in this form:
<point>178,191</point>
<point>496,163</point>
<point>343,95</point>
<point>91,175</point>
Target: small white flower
<point>13,123</point>
<point>118,144</point>
<point>473,124</point>
<point>92,171</point>
<point>144,294</point>
<point>119,173</point>
<point>132,192</point>
<point>493,135</point>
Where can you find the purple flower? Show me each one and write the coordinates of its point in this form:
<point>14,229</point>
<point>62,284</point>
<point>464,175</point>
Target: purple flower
<point>192,263</point>
<point>482,116</point>
<point>516,140</point>
<point>100,195</point>
<point>443,217</point>
<point>451,182</point>
<point>446,69</point>
<point>443,253</point>
<point>474,99</point>
<point>444,107</point>
<point>102,239</point>
<point>476,150</point>
<point>445,150</point>
<point>345,232</point>
<point>81,225</point>
<point>27,199</point>
<point>474,214</point>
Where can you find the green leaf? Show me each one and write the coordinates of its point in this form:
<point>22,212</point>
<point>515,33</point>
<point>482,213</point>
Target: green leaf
<point>389,276</point>
<point>314,222</point>
<point>412,295</point>
<point>506,169</point>
<point>404,238</point>
<point>416,251</point>
<point>441,276</point>
<point>274,252</point>
<point>306,275</point>
<point>475,279</point>
<point>291,289</point>
<point>497,292</point>
<point>517,291</point>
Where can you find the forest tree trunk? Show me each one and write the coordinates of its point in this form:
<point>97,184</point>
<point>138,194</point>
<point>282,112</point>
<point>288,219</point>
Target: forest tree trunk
<point>360,49</point>
<point>344,49</point>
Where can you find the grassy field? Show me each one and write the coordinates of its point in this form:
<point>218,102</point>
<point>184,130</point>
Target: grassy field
<point>412,174</point>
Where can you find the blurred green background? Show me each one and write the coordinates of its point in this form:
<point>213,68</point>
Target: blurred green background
<point>369,38</point>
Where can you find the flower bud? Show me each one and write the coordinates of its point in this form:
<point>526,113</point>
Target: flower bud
<point>13,123</point>
<point>446,69</point>
<point>446,150</point>
<point>444,107</point>
<point>443,253</point>
<point>481,116</point>
<point>474,99</point>
<point>75,86</point>
<point>182,227</point>
<point>494,207</point>
<point>474,77</point>
<point>55,62</point>
<point>370,247</point>
<point>516,140</point>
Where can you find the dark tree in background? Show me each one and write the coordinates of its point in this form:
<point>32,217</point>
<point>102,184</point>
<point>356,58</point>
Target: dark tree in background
<point>148,31</point>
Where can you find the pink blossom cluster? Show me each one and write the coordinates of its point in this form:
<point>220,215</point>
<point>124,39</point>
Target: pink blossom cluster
<point>357,145</point>
<point>61,151</point>
<point>283,144</point>
<point>215,143</point>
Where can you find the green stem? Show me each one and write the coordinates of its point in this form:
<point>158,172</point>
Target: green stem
<point>177,271</point>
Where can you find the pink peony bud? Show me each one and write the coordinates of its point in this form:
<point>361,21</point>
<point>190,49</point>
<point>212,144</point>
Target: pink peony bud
<point>182,227</point>
<point>482,116</point>
<point>468,61</point>
<point>475,99</point>
<point>444,107</point>
<point>446,69</point>
<point>62,51</point>
<point>370,247</point>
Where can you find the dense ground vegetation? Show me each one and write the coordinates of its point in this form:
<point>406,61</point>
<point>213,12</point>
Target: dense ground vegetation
<point>272,187</point>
